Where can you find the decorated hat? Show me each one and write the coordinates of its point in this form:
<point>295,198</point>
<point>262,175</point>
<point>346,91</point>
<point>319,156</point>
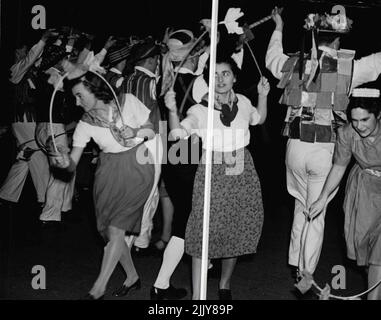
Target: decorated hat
<point>144,49</point>
<point>118,54</point>
<point>52,56</point>
<point>332,23</point>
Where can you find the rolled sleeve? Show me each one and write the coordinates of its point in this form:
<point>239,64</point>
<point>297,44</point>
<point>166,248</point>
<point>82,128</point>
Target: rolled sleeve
<point>343,150</point>
<point>81,135</point>
<point>255,117</point>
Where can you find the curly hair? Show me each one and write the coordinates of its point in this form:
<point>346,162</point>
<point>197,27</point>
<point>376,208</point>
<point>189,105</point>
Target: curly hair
<point>94,84</point>
<point>372,105</point>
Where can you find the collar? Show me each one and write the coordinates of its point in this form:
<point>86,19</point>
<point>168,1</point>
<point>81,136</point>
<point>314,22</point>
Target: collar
<point>115,70</point>
<point>146,71</point>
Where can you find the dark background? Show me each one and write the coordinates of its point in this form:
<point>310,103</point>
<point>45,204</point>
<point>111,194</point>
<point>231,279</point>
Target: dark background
<point>152,17</point>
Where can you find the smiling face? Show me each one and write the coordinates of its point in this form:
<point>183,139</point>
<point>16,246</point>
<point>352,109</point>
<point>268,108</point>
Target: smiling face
<point>83,97</point>
<point>364,122</point>
<point>225,78</point>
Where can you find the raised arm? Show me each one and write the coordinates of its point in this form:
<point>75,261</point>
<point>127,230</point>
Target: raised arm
<point>263,90</point>
<point>275,58</point>
<point>19,69</point>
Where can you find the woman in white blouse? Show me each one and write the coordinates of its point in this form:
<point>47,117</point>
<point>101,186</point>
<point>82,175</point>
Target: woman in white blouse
<point>236,210</point>
<point>122,182</point>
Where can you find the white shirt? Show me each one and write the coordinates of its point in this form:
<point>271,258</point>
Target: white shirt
<point>225,139</point>
<point>135,114</point>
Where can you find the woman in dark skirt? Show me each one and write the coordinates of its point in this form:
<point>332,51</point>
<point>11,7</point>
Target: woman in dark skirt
<point>236,211</point>
<point>122,182</point>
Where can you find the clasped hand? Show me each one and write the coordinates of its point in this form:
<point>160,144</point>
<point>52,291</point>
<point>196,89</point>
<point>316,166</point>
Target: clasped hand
<point>170,100</point>
<point>263,87</point>
<point>61,158</point>
<point>317,207</point>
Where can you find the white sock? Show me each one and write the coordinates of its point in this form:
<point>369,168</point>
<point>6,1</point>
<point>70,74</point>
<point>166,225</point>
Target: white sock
<point>171,258</point>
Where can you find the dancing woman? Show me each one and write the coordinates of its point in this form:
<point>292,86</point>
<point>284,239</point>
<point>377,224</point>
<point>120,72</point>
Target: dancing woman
<point>122,184</point>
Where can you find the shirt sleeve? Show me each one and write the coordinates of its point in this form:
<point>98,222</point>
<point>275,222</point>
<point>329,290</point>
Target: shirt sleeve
<point>275,58</point>
<point>343,151</point>
<point>191,122</point>
<point>366,69</point>
<point>81,135</point>
<point>100,56</point>
<point>19,69</point>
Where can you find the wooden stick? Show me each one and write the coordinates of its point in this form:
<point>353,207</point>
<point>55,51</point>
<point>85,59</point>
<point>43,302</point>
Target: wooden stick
<point>263,20</point>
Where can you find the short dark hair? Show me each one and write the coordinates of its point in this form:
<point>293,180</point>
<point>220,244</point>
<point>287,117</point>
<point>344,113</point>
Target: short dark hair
<point>94,84</point>
<point>372,105</point>
<point>222,58</point>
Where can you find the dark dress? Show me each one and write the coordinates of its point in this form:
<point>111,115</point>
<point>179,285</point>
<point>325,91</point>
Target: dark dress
<point>362,203</point>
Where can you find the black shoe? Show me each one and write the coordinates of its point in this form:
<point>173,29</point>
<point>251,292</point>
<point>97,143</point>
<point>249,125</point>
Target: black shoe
<point>295,274</point>
<point>224,294</point>
<point>171,293</point>
<point>91,297</point>
<point>123,290</point>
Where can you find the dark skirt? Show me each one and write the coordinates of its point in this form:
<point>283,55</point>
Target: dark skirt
<point>121,189</point>
<point>236,209</point>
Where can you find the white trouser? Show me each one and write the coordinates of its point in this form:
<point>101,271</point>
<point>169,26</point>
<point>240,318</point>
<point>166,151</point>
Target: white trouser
<point>308,165</point>
<point>59,193</point>
<point>38,166</point>
<point>155,147</point>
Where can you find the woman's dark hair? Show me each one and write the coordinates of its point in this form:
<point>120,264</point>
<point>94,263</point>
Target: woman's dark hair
<point>94,84</point>
<point>222,58</point>
<point>372,105</point>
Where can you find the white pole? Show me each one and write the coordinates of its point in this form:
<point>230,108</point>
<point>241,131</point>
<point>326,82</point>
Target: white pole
<point>209,140</point>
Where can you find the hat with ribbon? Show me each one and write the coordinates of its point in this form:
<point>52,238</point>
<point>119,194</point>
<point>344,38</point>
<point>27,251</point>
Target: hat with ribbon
<point>144,49</point>
<point>118,54</point>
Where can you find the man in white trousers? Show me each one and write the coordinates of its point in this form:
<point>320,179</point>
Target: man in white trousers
<point>316,92</point>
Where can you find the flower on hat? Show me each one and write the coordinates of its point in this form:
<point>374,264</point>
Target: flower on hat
<point>338,22</point>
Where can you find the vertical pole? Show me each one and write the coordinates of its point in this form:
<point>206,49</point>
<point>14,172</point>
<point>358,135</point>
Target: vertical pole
<point>209,140</point>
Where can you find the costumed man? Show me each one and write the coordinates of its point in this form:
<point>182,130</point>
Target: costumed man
<point>54,64</point>
<point>30,156</point>
<point>182,156</point>
<point>60,188</point>
<point>316,92</point>
<point>117,59</point>
<point>142,84</point>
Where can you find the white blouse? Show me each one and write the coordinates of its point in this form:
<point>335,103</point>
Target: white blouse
<point>135,114</point>
<point>225,139</point>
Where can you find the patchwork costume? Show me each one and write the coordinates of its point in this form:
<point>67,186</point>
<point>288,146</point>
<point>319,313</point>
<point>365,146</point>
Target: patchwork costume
<point>316,108</point>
